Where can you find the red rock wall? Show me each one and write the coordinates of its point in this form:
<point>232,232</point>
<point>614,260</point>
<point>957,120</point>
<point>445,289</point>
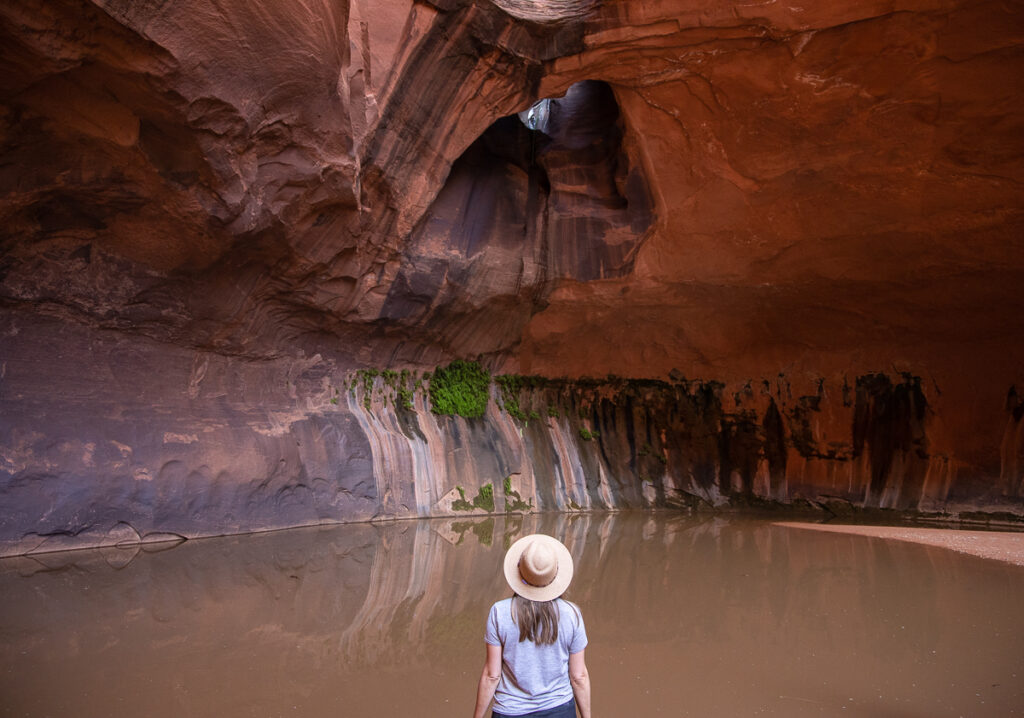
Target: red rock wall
<point>822,193</point>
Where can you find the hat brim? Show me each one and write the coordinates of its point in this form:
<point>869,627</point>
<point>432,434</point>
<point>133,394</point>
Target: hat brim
<point>539,593</point>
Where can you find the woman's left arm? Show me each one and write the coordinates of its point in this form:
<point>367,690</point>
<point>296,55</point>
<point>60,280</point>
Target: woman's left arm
<point>580,679</point>
<point>488,680</point>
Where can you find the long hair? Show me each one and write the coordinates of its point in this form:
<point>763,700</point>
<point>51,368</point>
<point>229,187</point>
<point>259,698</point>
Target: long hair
<point>537,620</point>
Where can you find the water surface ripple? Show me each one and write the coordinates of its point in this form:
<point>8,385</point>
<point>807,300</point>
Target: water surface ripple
<point>686,617</point>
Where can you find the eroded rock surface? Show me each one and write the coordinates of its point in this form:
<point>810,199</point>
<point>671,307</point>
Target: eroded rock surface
<point>286,192</point>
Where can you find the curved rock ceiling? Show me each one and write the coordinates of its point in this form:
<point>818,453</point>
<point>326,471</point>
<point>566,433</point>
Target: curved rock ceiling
<point>726,191</point>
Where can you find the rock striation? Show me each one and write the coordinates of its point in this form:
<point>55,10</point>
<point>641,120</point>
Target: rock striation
<point>213,214</point>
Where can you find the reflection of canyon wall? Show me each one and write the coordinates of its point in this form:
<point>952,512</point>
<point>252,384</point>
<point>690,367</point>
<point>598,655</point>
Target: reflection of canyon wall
<point>359,619</point>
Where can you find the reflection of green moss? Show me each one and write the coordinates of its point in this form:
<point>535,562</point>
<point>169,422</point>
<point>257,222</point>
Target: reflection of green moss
<point>447,633</point>
<point>401,619</point>
<point>460,389</point>
<point>460,528</point>
<point>483,530</point>
<point>513,530</point>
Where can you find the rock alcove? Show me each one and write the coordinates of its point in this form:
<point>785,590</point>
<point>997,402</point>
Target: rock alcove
<point>797,230</point>
<point>521,209</point>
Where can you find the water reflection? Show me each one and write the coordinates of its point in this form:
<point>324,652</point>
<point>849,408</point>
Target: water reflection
<point>686,617</point>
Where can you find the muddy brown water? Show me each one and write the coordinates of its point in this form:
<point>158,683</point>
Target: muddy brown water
<point>686,617</point>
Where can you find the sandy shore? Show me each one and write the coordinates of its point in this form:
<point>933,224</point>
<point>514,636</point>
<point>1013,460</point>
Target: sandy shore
<point>999,545</point>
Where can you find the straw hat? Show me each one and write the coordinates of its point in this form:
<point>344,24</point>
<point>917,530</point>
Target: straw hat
<point>538,567</point>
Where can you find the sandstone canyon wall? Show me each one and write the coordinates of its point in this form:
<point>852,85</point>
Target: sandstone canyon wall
<point>798,229</point>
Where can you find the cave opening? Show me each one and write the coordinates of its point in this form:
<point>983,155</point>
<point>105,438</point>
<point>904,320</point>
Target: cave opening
<point>557,174</point>
<point>552,189</point>
<point>584,114</point>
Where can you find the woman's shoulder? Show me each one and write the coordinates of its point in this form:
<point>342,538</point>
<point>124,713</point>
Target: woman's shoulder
<point>566,606</point>
<point>502,606</point>
<point>566,603</point>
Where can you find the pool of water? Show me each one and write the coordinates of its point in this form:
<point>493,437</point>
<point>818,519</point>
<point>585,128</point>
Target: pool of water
<point>686,617</point>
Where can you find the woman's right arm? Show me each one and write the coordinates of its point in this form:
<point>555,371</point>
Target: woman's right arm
<point>489,677</point>
<point>580,679</point>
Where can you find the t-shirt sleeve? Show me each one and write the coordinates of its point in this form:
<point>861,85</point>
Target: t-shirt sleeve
<point>491,632</point>
<point>579,636</point>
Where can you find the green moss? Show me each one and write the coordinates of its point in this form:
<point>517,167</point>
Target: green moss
<point>366,377</point>
<point>405,398</point>
<point>648,450</point>
<point>513,501</point>
<point>460,389</point>
<point>460,504</point>
<point>586,434</point>
<point>510,386</point>
<point>553,412</point>
<point>405,388</point>
<point>485,499</point>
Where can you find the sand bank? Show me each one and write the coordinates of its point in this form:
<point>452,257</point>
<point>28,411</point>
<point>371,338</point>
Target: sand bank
<point>999,545</point>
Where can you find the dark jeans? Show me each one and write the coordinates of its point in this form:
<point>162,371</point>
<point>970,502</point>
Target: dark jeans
<point>566,710</point>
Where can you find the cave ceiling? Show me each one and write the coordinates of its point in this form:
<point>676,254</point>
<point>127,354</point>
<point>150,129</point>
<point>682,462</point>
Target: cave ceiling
<point>721,189</point>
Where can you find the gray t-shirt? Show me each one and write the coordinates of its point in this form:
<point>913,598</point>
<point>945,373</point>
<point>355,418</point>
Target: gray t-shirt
<point>533,678</point>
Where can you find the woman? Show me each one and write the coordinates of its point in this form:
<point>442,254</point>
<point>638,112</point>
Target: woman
<point>535,640</point>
